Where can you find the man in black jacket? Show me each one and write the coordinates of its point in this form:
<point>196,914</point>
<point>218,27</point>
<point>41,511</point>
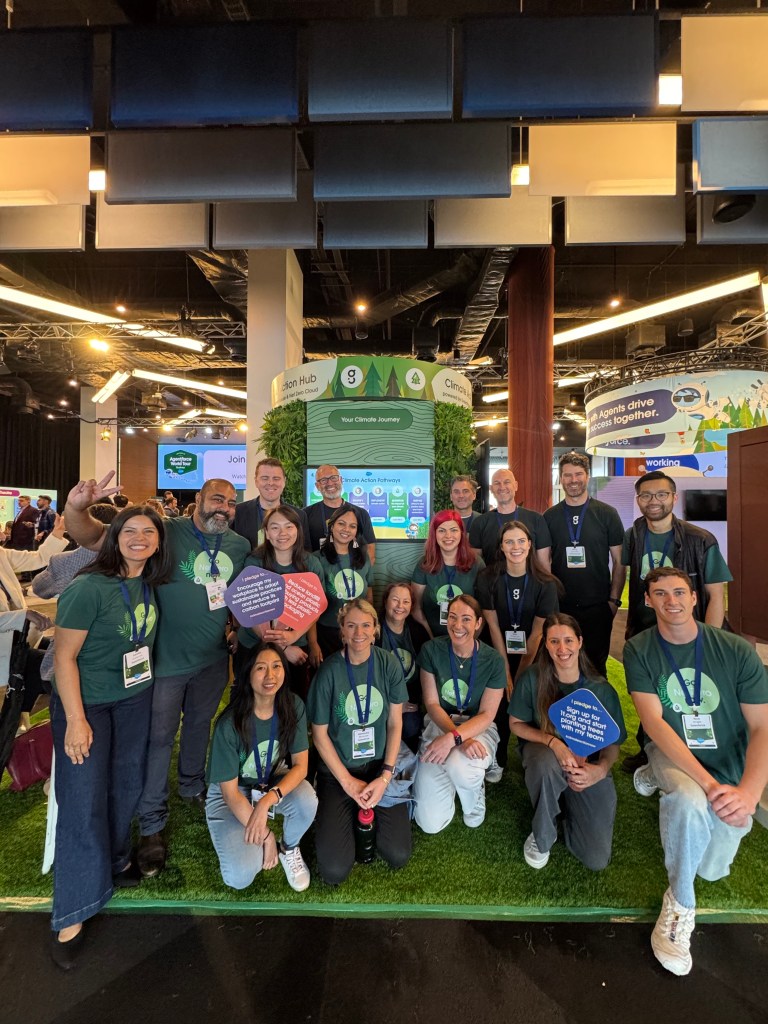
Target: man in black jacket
<point>249,515</point>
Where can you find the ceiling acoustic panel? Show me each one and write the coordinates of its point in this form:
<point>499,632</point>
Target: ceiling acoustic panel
<point>45,80</point>
<point>723,63</point>
<point>382,68</point>
<point>521,219</point>
<point>189,75</point>
<point>42,228</point>
<point>520,66</point>
<point>268,225</point>
<point>617,159</point>
<point>730,154</point>
<point>412,161</point>
<point>134,226</point>
<point>751,229</point>
<point>627,220</point>
<point>215,164</point>
<point>390,225</point>
<point>44,170</point>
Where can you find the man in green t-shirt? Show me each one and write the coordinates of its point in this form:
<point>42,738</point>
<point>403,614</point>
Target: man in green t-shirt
<point>702,697</point>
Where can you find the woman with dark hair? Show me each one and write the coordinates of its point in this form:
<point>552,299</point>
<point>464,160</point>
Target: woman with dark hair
<point>559,782</point>
<point>249,781</point>
<point>516,595</point>
<point>448,569</point>
<point>462,681</point>
<point>347,573</point>
<point>282,552</point>
<point>100,714</point>
<point>404,637</point>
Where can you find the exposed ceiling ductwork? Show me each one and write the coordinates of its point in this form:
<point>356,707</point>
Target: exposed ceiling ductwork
<point>483,303</point>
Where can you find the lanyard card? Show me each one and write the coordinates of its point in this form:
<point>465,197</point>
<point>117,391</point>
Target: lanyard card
<point>363,744</point>
<point>137,667</point>
<point>575,556</point>
<point>443,612</point>
<point>699,733</point>
<point>516,641</point>
<point>215,590</point>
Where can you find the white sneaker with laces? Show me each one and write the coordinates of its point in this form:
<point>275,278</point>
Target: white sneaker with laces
<point>494,772</point>
<point>644,782</point>
<point>671,937</point>
<point>296,871</point>
<point>533,856</point>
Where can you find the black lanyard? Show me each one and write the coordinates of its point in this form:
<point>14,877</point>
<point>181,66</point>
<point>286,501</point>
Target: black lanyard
<point>137,636</point>
<point>649,550</point>
<point>575,533</point>
<point>693,700</point>
<point>515,609</point>
<point>211,554</point>
<point>362,716</point>
<point>455,674</point>
<point>393,646</point>
<point>263,774</point>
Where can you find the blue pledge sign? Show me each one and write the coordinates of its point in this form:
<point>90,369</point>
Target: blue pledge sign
<point>583,723</point>
<point>255,596</point>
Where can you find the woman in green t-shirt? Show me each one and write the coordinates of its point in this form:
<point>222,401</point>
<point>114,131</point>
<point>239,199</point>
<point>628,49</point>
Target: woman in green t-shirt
<point>404,637</point>
<point>347,572</point>
<point>249,781</point>
<point>100,712</point>
<point>561,784</point>
<point>448,569</point>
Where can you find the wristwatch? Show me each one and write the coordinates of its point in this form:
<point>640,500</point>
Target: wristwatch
<point>458,739</point>
<point>615,600</point>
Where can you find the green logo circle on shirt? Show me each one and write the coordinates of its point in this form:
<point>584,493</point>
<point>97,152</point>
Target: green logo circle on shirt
<point>448,692</point>
<point>249,768</point>
<point>203,568</point>
<point>350,706</point>
<point>355,583</point>
<point>646,565</point>
<point>447,593</point>
<point>406,658</point>
<point>138,611</point>
<point>675,698</point>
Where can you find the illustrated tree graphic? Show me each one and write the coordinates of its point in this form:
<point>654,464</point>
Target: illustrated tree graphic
<point>372,382</point>
<point>393,385</point>
<point>338,388</point>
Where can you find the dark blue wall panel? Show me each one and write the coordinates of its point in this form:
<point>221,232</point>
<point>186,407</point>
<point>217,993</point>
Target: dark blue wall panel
<point>45,80</point>
<point>560,66</point>
<point>204,75</point>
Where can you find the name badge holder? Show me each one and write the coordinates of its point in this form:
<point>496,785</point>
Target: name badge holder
<point>363,738</point>
<point>575,552</point>
<point>263,772</point>
<point>450,576</point>
<point>698,729</point>
<point>515,638</point>
<point>215,587</point>
<point>137,664</point>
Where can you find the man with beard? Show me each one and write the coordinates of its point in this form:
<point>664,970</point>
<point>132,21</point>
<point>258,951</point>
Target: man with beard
<point>463,493</point>
<point>191,660</point>
<point>586,533</point>
<point>330,484</point>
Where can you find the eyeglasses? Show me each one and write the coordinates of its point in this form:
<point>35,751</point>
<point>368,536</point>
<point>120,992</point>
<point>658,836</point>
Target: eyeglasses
<point>328,479</point>
<point>645,496</point>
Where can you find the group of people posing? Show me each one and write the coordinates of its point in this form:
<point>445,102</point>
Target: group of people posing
<point>505,613</point>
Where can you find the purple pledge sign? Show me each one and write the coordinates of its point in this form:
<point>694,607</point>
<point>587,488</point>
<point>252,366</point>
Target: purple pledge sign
<point>255,596</point>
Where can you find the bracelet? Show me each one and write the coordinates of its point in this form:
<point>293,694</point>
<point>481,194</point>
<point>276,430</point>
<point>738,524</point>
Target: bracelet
<point>386,781</point>
<point>551,741</point>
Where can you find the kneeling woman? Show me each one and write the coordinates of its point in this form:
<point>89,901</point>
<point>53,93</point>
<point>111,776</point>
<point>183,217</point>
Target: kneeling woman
<point>355,706</point>
<point>248,780</point>
<point>462,683</point>
<point>558,781</point>
<point>100,713</point>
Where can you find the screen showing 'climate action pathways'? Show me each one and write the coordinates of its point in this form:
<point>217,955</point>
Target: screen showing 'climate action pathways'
<point>399,501</point>
<point>188,466</point>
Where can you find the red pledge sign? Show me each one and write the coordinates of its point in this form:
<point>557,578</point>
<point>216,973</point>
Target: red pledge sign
<point>305,601</point>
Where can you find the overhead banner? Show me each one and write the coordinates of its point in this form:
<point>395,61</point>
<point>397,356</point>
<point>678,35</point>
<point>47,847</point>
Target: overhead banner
<point>684,414</point>
<point>371,377</point>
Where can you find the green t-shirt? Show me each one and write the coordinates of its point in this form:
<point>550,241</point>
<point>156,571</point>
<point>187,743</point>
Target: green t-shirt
<point>490,673</point>
<point>715,568</point>
<point>732,674</point>
<point>538,599</point>
<point>601,529</point>
<point>246,637</point>
<point>523,703</point>
<point>332,703</point>
<point>336,590</point>
<point>444,586</point>
<point>191,636</point>
<point>95,603</point>
<point>485,529</point>
<point>229,759</point>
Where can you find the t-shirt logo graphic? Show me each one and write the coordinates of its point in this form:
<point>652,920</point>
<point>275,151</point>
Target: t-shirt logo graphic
<point>671,692</point>
<point>126,629</point>
<point>448,692</point>
<point>350,706</point>
<point>249,768</point>
<point>197,567</point>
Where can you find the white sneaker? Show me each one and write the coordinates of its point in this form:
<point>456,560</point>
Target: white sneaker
<point>296,871</point>
<point>644,781</point>
<point>533,856</point>
<point>494,772</point>
<point>671,938</point>
<point>477,816</point>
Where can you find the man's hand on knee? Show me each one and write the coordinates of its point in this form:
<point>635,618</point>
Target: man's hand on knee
<point>732,804</point>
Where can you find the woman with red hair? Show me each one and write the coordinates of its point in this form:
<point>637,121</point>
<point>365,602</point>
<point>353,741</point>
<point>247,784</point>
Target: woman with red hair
<point>448,569</point>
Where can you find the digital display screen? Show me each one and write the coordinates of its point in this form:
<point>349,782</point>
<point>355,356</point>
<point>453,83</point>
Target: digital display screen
<point>398,499</point>
<point>706,506</point>
<point>188,466</point>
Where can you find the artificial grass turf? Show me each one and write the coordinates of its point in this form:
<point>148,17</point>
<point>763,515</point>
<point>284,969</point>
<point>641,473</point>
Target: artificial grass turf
<point>461,872</point>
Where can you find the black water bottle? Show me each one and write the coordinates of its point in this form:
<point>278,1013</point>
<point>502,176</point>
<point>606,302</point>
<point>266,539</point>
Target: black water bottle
<point>365,836</point>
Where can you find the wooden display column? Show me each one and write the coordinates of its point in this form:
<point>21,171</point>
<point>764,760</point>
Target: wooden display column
<point>530,329</point>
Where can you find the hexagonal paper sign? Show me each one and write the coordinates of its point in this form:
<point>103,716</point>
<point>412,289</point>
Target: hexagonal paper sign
<point>255,596</point>
<point>583,723</point>
<point>305,601</point>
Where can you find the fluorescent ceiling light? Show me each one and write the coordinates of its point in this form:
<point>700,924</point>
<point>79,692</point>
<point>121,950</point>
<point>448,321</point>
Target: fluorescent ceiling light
<point>115,381</point>
<point>670,90</point>
<point>226,413</point>
<point>582,378</point>
<point>184,418</point>
<point>520,175</point>
<point>192,344</point>
<point>190,385</point>
<point>661,308</point>
<point>27,197</point>
<point>764,290</point>
<point>97,181</point>
<point>490,423</point>
<point>496,396</point>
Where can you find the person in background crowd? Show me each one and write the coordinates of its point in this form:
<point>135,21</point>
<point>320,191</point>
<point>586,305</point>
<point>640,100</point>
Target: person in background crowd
<point>249,781</point>
<point>157,505</point>
<point>103,676</point>
<point>329,483</point>
<point>347,572</point>
<point>578,791</point>
<point>120,501</point>
<point>404,637</point>
<point>448,569</point>
<point>22,532</point>
<point>585,534</point>
<point>269,478</point>
<point>485,529</point>
<point>189,511</point>
<point>46,518</point>
<point>463,493</point>
<point>170,505</point>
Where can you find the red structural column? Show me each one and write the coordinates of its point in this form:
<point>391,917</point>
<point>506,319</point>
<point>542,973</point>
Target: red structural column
<point>530,328</point>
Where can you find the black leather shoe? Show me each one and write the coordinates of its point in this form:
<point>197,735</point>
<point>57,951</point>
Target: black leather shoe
<point>65,954</point>
<point>632,762</point>
<point>198,800</point>
<point>151,854</point>
<point>129,877</point>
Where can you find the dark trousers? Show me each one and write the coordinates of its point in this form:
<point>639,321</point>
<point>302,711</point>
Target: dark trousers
<point>335,828</point>
<point>596,623</point>
<point>329,639</point>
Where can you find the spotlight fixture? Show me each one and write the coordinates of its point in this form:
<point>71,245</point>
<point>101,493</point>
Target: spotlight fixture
<point>615,302</point>
<point>685,327</point>
<point>130,430</point>
<point>120,308</point>
<point>106,434</point>
<point>361,307</point>
<point>733,207</point>
<point>361,329</point>
<point>225,434</point>
<point>209,430</point>
<point>72,383</point>
<point>556,425</point>
<point>63,402</point>
<point>99,345</point>
<point>190,434</point>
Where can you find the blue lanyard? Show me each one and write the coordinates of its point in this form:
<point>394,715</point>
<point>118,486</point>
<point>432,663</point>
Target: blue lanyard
<point>137,636</point>
<point>349,584</point>
<point>450,576</point>
<point>393,646</point>
<point>455,674</point>
<point>575,534</point>
<point>649,550</point>
<point>211,554</point>
<point>362,716</point>
<point>515,609</point>
<point>692,700</point>
<point>263,774</point>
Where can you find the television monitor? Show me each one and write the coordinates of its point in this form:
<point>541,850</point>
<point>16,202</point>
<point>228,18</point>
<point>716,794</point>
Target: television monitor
<point>188,466</point>
<point>705,506</point>
<point>397,498</point>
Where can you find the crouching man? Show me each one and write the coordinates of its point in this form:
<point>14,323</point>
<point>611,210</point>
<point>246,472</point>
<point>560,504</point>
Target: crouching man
<point>702,697</point>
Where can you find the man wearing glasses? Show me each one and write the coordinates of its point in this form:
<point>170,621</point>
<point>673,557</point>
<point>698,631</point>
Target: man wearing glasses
<point>330,484</point>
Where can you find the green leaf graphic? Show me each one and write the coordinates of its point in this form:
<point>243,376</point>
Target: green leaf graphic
<point>188,567</point>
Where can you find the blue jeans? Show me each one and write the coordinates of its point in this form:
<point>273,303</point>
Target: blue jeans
<point>197,696</point>
<point>97,800</point>
<point>240,862</point>
<point>695,840</point>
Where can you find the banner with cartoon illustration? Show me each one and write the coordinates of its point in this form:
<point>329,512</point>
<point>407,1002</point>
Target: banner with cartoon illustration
<point>684,414</point>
